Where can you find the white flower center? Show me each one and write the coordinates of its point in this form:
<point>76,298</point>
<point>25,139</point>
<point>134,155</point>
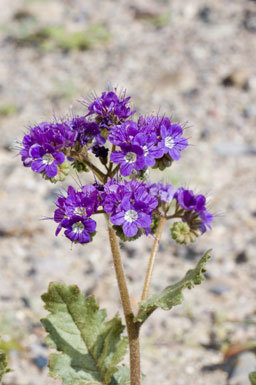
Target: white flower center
<point>145,149</point>
<point>78,227</point>
<point>48,158</point>
<point>131,216</point>
<point>130,157</point>
<point>169,142</point>
<point>80,211</point>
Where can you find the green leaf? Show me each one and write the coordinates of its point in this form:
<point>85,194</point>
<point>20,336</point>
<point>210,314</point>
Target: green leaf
<point>122,376</point>
<point>172,295</point>
<point>3,365</point>
<point>90,348</point>
<point>252,378</point>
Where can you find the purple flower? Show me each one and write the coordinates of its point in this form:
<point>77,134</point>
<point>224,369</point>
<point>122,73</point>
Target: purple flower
<point>45,159</point>
<point>151,151</point>
<point>165,193</point>
<point>79,229</point>
<point>74,210</point>
<point>110,108</point>
<point>41,148</point>
<point>195,208</point>
<point>129,205</point>
<point>189,201</point>
<point>130,157</point>
<point>172,141</point>
<point>124,133</point>
<point>206,218</point>
<point>131,217</point>
<point>87,132</point>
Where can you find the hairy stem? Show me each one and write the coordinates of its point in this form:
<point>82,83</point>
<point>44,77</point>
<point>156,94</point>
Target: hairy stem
<point>132,328</point>
<point>152,258</point>
<point>95,170</point>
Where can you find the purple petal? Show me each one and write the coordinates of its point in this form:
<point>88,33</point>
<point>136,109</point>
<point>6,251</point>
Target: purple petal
<point>36,151</point>
<point>90,225</point>
<point>58,230</point>
<point>140,163</point>
<point>38,165</point>
<point>51,170</point>
<point>130,229</point>
<point>58,215</point>
<point>144,220</point>
<point>117,157</point>
<point>118,218</point>
<point>59,157</point>
<point>126,169</point>
<point>84,237</point>
<point>174,153</point>
<point>70,234</point>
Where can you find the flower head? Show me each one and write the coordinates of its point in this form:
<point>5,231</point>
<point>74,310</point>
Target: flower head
<point>87,132</point>
<point>79,229</point>
<point>130,206</point>
<point>131,157</point>
<point>172,140</point>
<point>76,206</point>
<point>110,109</point>
<point>42,148</point>
<point>45,159</point>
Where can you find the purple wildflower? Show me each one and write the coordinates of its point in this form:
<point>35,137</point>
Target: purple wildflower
<point>189,201</point>
<point>87,132</point>
<point>79,229</point>
<point>123,133</point>
<point>41,148</point>
<point>45,159</point>
<point>165,193</point>
<point>195,208</point>
<point>130,206</point>
<point>130,157</point>
<point>130,217</point>
<point>74,210</point>
<point>172,141</point>
<point>110,108</point>
<point>151,151</point>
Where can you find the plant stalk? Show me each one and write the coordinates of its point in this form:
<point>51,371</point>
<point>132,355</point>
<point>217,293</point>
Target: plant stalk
<point>152,258</point>
<point>132,327</point>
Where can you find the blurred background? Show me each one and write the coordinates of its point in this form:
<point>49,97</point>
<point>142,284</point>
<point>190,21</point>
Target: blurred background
<point>194,60</point>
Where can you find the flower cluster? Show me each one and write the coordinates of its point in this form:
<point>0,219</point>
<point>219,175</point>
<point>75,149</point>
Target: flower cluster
<point>110,109</point>
<point>126,148</point>
<point>152,141</point>
<point>42,149</point>
<point>130,206</point>
<point>74,212</point>
<point>142,143</point>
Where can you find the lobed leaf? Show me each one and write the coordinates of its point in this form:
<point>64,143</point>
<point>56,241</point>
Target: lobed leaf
<point>172,295</point>
<point>90,348</point>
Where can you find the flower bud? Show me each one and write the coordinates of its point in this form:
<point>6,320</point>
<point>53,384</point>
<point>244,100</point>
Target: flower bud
<point>79,166</point>
<point>63,171</point>
<point>183,234</point>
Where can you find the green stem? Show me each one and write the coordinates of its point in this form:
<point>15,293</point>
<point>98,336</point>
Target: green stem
<point>152,258</point>
<point>132,327</point>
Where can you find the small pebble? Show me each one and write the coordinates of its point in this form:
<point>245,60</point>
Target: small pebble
<point>40,361</point>
<point>219,289</point>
